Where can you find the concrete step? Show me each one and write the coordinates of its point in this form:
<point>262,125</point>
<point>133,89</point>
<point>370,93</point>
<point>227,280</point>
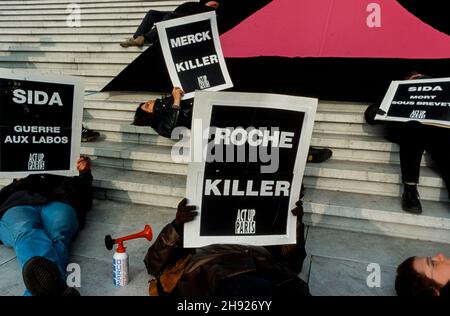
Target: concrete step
<point>371,178</point>
<point>128,156</point>
<point>380,215</point>
<point>63,38</point>
<point>99,10</point>
<point>35,2</point>
<point>87,55</point>
<point>345,147</point>
<point>117,30</point>
<point>63,23</point>
<point>334,175</point>
<point>338,260</point>
<point>139,187</point>
<point>87,5</point>
<point>106,69</point>
<point>68,60</point>
<point>72,48</point>
<point>88,17</point>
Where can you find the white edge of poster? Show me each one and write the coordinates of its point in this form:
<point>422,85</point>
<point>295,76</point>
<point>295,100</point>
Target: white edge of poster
<point>77,113</point>
<point>389,97</point>
<point>161,28</point>
<point>202,109</point>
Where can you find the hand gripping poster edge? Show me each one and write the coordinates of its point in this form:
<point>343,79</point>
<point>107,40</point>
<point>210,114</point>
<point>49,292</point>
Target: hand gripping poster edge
<point>162,35</point>
<point>194,186</point>
<point>77,112</point>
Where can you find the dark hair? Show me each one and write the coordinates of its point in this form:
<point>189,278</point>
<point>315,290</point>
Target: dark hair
<point>409,282</point>
<point>142,118</point>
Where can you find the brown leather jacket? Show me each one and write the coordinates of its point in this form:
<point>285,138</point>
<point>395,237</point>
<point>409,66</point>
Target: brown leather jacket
<point>204,268</point>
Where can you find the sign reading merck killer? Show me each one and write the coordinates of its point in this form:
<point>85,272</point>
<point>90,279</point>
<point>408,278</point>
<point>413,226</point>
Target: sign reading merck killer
<point>193,54</point>
<point>425,100</point>
<point>40,124</point>
<point>250,177</point>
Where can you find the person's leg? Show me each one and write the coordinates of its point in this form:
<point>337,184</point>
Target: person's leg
<point>61,225</point>
<point>410,158</point>
<point>438,148</point>
<point>411,151</point>
<point>151,35</point>
<point>21,228</point>
<point>149,21</point>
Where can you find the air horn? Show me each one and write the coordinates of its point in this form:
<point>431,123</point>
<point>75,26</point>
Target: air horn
<point>120,259</point>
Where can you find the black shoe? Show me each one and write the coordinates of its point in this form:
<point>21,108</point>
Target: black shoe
<point>88,135</point>
<point>318,155</point>
<point>41,278</point>
<point>411,200</point>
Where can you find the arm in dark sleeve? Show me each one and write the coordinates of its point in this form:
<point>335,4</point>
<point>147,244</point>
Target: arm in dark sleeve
<point>84,186</point>
<point>168,118</point>
<point>168,245</point>
<point>370,113</point>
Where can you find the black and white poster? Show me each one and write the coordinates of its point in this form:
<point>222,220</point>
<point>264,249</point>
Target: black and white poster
<point>248,154</point>
<point>424,100</point>
<point>40,123</point>
<point>193,54</point>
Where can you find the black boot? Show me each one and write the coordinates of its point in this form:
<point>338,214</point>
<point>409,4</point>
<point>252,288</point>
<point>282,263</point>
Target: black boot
<point>41,278</point>
<point>318,155</point>
<point>411,199</point>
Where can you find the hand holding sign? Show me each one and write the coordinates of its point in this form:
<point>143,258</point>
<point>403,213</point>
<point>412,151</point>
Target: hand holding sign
<point>185,214</point>
<point>83,164</point>
<point>299,209</point>
<point>177,94</point>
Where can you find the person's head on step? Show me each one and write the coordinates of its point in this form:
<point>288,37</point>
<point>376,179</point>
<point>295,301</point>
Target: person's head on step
<point>144,114</point>
<point>423,276</point>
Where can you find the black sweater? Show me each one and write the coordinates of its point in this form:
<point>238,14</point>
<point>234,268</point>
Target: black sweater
<point>43,188</point>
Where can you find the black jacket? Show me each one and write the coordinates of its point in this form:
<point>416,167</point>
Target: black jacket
<point>43,188</point>
<point>209,266</point>
<point>166,118</point>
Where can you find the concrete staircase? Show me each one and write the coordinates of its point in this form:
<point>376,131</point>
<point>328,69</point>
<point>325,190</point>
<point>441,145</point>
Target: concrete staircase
<point>357,191</point>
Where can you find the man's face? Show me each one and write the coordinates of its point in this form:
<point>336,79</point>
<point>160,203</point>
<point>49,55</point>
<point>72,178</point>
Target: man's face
<point>212,4</point>
<point>148,106</point>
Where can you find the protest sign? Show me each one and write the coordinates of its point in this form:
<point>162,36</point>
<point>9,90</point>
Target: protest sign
<point>40,123</point>
<point>193,54</point>
<point>424,100</point>
<point>248,154</point>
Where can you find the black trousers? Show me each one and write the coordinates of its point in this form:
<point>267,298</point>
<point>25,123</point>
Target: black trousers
<point>146,28</point>
<point>414,139</point>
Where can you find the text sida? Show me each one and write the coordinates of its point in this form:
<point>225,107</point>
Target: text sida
<point>36,97</point>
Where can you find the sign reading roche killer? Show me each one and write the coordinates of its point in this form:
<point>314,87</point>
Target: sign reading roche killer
<point>193,54</point>
<point>245,185</point>
<point>424,100</point>
<point>40,124</point>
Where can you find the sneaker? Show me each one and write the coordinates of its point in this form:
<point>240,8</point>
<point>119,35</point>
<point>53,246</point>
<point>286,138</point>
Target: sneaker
<point>318,155</point>
<point>138,41</point>
<point>41,278</point>
<point>88,135</point>
<point>411,199</point>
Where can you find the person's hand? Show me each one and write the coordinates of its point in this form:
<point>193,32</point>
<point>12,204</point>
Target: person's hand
<point>177,93</point>
<point>83,164</point>
<point>299,209</point>
<point>185,214</point>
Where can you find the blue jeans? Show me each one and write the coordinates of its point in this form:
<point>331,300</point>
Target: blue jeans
<point>44,230</point>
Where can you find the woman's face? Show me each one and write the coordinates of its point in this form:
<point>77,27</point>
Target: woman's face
<point>436,268</point>
<point>148,106</point>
